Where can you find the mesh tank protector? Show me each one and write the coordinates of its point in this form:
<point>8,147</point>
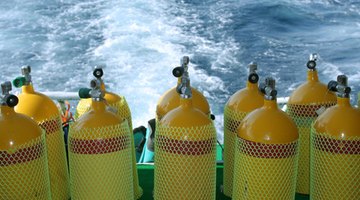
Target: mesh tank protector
<point>44,111</point>
<point>23,158</point>
<point>238,106</point>
<point>100,158</point>
<point>118,105</point>
<point>266,153</point>
<point>335,148</point>
<point>185,152</point>
<point>302,106</point>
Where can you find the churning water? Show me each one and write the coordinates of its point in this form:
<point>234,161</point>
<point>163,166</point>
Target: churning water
<point>140,41</point>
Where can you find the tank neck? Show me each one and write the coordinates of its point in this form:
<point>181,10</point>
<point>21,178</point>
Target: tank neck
<point>186,103</point>
<point>252,86</point>
<point>6,110</point>
<point>270,104</point>
<point>345,102</point>
<point>98,106</point>
<point>312,75</point>
<point>28,89</point>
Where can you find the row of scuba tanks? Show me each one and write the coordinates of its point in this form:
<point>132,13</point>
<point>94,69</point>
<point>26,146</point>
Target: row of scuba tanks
<point>33,158</point>
<point>313,148</point>
<point>268,154</point>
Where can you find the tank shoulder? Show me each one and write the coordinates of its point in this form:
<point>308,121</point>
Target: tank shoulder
<point>338,121</point>
<point>245,100</point>
<point>311,92</point>
<point>268,126</point>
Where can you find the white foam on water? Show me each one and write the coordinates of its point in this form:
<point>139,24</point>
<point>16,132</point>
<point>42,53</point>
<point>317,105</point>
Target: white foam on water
<point>143,43</point>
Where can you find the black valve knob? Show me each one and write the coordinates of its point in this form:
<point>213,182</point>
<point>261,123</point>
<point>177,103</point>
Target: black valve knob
<point>347,90</point>
<point>98,72</point>
<point>178,71</point>
<point>311,64</point>
<point>253,78</point>
<point>11,100</point>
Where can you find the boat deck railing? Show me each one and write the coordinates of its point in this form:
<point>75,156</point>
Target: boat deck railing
<point>58,96</point>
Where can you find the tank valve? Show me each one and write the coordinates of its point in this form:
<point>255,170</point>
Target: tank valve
<point>253,76</point>
<point>6,98</point>
<point>268,88</point>
<point>181,72</point>
<point>340,86</point>
<point>95,92</point>
<point>311,64</point>
<point>25,79</point>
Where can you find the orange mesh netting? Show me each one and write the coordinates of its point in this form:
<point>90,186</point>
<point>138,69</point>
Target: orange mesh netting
<point>335,171</point>
<point>100,163</point>
<point>185,163</point>
<point>122,109</point>
<point>265,171</point>
<point>58,170</point>
<point>24,171</point>
<point>232,120</point>
<point>304,115</point>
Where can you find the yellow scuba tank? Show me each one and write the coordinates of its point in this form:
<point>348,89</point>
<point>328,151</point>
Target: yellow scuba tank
<point>44,111</point>
<point>171,99</point>
<point>185,152</point>
<point>266,152</point>
<point>335,148</point>
<point>23,160</point>
<point>118,105</point>
<point>99,148</point>
<point>238,106</point>
<point>302,106</point>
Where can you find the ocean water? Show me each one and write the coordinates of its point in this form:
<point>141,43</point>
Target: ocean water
<point>140,41</point>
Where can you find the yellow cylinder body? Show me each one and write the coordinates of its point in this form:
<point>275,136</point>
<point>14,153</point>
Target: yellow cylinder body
<point>302,106</point>
<point>23,161</point>
<point>171,100</point>
<point>335,153</point>
<point>100,156</point>
<point>238,106</point>
<point>266,155</point>
<point>119,105</point>
<point>185,155</point>
<point>44,111</point>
